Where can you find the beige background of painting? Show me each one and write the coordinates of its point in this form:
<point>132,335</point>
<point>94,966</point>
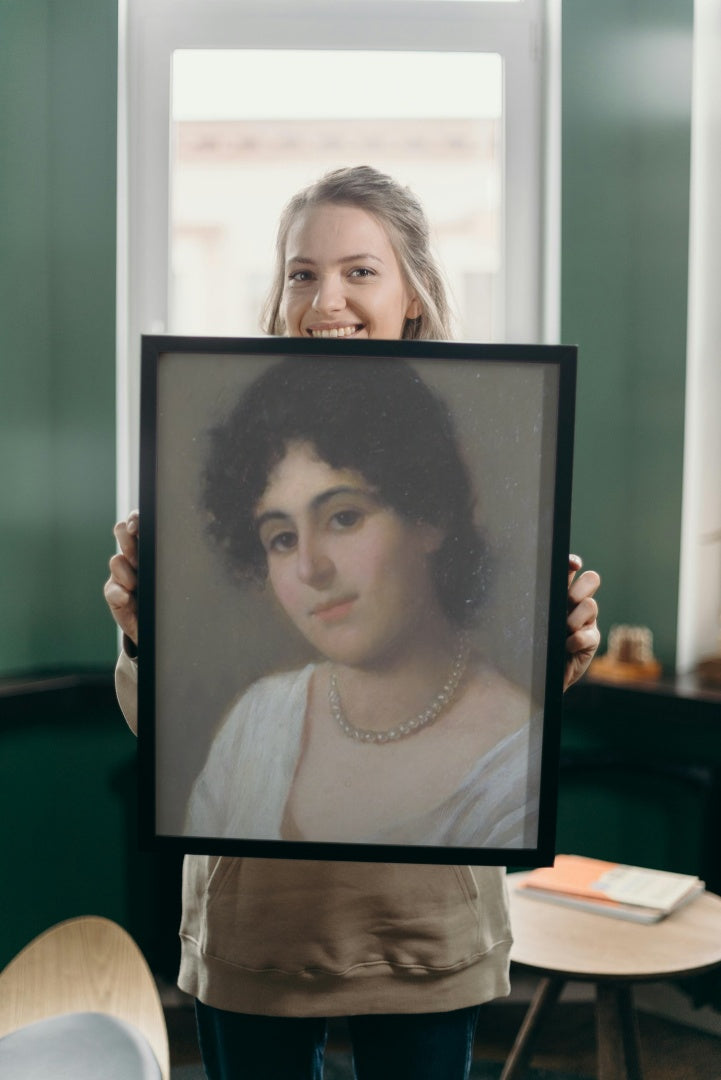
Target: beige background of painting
<point>214,637</point>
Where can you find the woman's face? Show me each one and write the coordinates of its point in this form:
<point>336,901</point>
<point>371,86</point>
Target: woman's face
<point>342,277</point>
<point>351,574</point>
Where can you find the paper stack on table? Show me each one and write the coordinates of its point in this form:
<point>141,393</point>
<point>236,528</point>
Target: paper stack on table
<point>608,888</point>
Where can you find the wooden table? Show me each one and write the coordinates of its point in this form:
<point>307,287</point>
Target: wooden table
<point>563,944</point>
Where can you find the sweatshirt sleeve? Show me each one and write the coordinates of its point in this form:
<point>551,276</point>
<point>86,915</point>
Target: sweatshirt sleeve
<point>126,688</point>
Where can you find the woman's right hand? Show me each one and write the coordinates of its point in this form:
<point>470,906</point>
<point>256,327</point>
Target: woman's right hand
<point>121,587</point>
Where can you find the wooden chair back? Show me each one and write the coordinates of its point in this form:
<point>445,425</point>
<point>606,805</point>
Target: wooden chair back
<point>87,964</point>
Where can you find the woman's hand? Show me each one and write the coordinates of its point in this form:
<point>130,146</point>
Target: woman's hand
<point>583,636</point>
<point>121,587</point>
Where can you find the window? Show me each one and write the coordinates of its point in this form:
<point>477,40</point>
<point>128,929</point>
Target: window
<point>235,161</point>
<point>227,107</point>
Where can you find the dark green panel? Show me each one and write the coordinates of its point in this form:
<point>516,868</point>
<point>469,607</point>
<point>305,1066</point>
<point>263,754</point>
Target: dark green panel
<point>68,801</point>
<point>82,273</point>
<point>57,323</point>
<point>26,452</point>
<point>626,145</point>
<point>641,780</point>
<point>64,786</point>
<point>624,816</point>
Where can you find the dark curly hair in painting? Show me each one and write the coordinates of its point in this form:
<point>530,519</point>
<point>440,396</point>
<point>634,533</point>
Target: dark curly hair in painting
<point>376,417</point>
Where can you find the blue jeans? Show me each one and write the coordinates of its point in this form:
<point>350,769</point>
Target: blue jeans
<point>415,1046</point>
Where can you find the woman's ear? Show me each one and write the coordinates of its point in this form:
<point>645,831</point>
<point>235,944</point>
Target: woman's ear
<point>415,309</point>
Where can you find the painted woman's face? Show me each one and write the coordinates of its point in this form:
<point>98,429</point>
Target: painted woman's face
<point>351,573</point>
<point>342,277</point>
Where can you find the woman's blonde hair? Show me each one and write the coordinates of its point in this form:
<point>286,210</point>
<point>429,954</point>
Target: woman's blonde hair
<point>403,217</point>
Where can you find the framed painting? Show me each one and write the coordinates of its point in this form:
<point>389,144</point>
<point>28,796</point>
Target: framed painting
<point>352,597</point>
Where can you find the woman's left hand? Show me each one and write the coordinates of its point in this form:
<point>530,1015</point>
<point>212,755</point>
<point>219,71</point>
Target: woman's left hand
<point>583,636</point>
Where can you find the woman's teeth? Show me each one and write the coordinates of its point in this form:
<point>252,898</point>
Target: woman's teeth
<point>337,331</point>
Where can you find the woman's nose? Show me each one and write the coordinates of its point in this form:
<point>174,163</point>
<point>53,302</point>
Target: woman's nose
<point>329,297</point>
<point>314,565</point>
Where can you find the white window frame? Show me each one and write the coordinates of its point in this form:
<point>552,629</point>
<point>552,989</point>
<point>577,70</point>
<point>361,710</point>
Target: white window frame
<point>699,596</point>
<point>526,34</point>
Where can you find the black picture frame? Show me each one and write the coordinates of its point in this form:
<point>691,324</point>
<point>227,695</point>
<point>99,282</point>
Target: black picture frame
<point>206,639</point>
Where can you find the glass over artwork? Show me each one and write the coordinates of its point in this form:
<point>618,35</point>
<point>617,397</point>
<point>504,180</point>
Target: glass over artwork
<point>356,597</point>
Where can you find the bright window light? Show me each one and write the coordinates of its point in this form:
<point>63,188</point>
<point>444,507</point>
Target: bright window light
<point>222,84</point>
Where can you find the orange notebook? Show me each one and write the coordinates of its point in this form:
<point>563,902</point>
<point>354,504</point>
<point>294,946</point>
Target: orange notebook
<point>631,892</point>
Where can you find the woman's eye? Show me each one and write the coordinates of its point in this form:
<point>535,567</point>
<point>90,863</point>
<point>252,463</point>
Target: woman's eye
<point>300,276</point>
<point>362,272</point>
<point>284,541</point>
<point>346,519</point>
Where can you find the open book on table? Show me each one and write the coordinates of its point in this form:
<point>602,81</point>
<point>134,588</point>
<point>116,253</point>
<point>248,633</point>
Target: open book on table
<point>609,888</point>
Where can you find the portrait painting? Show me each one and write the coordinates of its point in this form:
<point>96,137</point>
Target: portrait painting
<point>352,597</point>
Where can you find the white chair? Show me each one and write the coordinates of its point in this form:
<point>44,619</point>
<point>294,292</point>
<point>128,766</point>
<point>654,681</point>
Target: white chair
<point>80,1002</point>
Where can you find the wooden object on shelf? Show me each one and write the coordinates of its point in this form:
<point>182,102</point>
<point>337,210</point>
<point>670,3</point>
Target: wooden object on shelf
<point>629,657</point>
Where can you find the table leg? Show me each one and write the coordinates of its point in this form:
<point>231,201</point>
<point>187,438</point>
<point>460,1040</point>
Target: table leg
<point>617,1033</point>
<point>545,997</point>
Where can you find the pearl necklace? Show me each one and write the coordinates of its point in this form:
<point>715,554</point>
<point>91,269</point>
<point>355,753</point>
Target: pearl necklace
<point>409,727</point>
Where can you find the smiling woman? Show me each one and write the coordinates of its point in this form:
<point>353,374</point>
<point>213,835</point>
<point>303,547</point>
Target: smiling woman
<point>353,259</point>
<point>391,743</point>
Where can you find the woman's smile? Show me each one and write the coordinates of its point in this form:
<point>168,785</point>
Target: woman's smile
<point>335,331</point>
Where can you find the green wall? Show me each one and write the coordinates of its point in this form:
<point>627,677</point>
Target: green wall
<point>58,71</point>
<point>626,145</point>
<point>66,758</point>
